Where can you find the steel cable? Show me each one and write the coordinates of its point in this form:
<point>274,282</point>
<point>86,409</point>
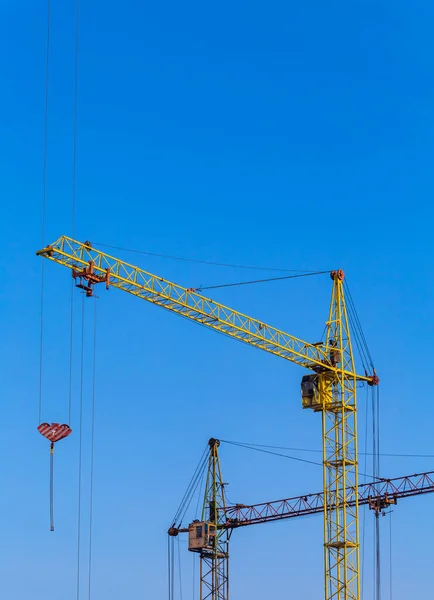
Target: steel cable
<point>296,458</point>
<point>204,262</point>
<point>225,285</point>
<point>80,453</point>
<point>92,450</point>
<point>196,477</point>
<point>44,204</point>
<point>358,323</point>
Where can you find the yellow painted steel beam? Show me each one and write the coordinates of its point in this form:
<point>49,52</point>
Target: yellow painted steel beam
<point>188,303</point>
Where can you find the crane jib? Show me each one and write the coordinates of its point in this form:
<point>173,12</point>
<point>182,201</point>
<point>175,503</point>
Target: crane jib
<point>91,267</point>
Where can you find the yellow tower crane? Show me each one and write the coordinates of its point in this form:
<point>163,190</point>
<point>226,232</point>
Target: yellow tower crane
<point>329,390</point>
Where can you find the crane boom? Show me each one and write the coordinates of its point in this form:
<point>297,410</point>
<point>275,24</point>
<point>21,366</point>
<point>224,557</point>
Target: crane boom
<point>95,267</point>
<point>387,490</point>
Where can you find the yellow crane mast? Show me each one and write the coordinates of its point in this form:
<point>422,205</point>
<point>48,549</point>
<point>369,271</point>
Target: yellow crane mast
<point>330,389</point>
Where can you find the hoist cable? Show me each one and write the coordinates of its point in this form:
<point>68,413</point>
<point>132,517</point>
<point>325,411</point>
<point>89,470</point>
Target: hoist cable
<point>365,446</point>
<point>203,262</point>
<point>44,204</point>
<point>194,575</point>
<point>377,558</point>
<point>41,347</point>
<point>169,580</point>
<point>80,452</point>
<point>73,198</point>
<point>390,557</point>
<point>92,447</point>
<point>74,160</point>
<point>225,285</point>
<point>179,570</point>
<point>71,339</point>
<point>377,392</point>
<point>171,566</point>
<point>376,472</point>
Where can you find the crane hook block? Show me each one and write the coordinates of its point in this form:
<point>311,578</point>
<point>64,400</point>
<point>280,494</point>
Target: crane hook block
<point>54,432</point>
<point>86,278</point>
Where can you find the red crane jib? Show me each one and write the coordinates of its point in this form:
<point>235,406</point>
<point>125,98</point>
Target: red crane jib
<point>377,495</point>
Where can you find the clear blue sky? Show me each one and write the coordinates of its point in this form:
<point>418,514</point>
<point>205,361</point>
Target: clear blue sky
<point>276,134</point>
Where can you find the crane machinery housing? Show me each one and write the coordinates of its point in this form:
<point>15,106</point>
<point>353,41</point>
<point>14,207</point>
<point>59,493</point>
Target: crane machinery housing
<point>329,390</point>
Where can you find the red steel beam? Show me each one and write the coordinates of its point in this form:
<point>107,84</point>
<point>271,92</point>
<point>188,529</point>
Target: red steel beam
<point>377,494</point>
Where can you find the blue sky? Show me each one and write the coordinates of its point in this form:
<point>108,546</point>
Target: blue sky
<point>273,134</point>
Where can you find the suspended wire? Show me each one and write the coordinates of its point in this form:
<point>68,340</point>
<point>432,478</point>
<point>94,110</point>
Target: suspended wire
<point>296,458</point>
<point>203,262</point>
<point>192,486</point>
<point>377,558</point>
<point>71,338</point>
<point>358,326</point>
<point>80,451</point>
<point>44,204</point>
<point>73,197</point>
<point>171,567</point>
<point>199,496</point>
<point>194,575</point>
<point>225,285</point>
<point>187,495</point>
<point>52,487</point>
<point>74,162</point>
<point>179,569</point>
<point>47,73</point>
<point>376,471</point>
<point>41,347</point>
<point>359,344</point>
<point>357,338</point>
<point>303,460</point>
<point>364,481</point>
<point>320,451</point>
<point>390,557</point>
<point>377,393</point>
<point>92,451</point>
<point>172,573</point>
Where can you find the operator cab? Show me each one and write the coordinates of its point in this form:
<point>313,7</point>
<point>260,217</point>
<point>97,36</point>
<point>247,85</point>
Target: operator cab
<point>201,536</point>
<point>317,391</point>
